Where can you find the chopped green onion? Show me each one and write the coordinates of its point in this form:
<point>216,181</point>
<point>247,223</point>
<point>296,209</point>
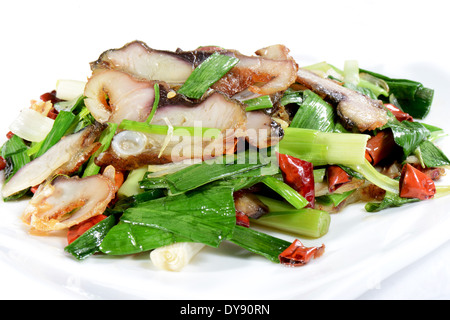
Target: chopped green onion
<point>206,74</point>
<point>155,104</point>
<point>105,140</point>
<point>262,102</point>
<point>163,130</point>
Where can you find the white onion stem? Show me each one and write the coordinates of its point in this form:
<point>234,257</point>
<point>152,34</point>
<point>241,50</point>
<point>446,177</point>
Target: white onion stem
<point>176,256</point>
<point>31,125</point>
<point>69,89</point>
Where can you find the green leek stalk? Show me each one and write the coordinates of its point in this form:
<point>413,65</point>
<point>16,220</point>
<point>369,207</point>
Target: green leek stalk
<point>304,222</point>
<point>262,102</point>
<point>322,148</point>
<point>284,190</point>
<point>377,178</point>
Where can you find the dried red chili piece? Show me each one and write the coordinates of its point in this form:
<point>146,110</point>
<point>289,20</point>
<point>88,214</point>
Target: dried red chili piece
<point>399,114</point>
<point>299,175</point>
<point>415,184</point>
<point>380,147</point>
<point>297,255</point>
<point>76,231</point>
<point>50,96</point>
<point>242,219</point>
<point>337,177</point>
<point>2,163</point>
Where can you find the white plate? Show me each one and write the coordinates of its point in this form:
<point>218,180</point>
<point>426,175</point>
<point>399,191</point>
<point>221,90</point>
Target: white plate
<point>362,249</point>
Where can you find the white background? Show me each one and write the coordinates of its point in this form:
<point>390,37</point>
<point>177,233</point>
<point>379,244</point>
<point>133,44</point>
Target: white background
<point>42,41</point>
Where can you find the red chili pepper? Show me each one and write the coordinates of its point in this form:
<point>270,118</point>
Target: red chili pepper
<point>9,135</point>
<point>2,163</point>
<point>337,177</point>
<point>415,184</point>
<point>379,147</point>
<point>299,175</point>
<point>242,219</point>
<point>297,255</point>
<point>399,114</point>
<point>76,231</point>
<point>50,96</point>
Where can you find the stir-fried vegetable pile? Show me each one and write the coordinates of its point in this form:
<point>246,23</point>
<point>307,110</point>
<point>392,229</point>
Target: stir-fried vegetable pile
<point>102,159</point>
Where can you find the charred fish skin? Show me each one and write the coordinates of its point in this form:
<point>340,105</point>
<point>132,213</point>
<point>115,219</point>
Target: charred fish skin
<point>174,68</point>
<point>355,109</point>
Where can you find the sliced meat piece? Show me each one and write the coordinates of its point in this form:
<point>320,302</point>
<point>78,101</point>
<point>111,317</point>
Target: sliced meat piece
<point>65,202</point>
<point>112,96</point>
<point>217,111</point>
<point>132,99</point>
<point>143,62</point>
<point>65,157</point>
<point>355,109</point>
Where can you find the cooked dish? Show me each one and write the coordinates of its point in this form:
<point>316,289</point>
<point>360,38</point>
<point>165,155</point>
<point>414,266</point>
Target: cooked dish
<point>166,152</point>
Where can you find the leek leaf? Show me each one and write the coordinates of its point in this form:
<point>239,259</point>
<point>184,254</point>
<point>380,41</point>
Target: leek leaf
<point>127,238</point>
<point>208,212</point>
<point>14,151</point>
<point>314,113</point>
<point>60,127</point>
<point>260,243</point>
<point>408,135</point>
<point>203,173</point>
<point>414,98</point>
<point>390,200</point>
<point>432,156</point>
<point>206,74</point>
<point>89,242</point>
<point>290,96</point>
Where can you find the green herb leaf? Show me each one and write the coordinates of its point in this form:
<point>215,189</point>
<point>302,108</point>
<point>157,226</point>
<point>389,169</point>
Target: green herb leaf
<point>260,243</point>
<point>206,74</point>
<point>314,113</point>
<point>389,200</point>
<point>89,242</point>
<point>262,102</point>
